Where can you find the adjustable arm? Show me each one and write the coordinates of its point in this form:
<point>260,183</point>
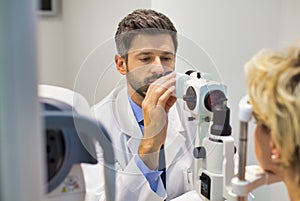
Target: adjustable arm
<point>249,177</point>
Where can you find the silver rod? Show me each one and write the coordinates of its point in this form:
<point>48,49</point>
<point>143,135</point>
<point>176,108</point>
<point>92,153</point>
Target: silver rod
<point>243,138</point>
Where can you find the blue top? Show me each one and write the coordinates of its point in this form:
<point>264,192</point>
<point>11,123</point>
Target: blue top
<point>152,176</point>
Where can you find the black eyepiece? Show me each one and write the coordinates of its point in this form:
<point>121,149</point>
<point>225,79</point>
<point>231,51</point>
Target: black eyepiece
<point>214,98</point>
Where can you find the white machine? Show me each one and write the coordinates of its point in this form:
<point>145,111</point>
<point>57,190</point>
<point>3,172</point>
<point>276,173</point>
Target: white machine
<point>70,137</point>
<point>214,175</point>
<point>70,133</point>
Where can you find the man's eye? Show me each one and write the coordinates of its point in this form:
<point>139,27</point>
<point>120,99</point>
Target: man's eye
<point>166,58</point>
<point>145,59</point>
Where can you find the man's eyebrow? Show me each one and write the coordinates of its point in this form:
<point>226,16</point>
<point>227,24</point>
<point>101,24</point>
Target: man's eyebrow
<point>167,52</point>
<point>143,53</point>
<point>146,53</point>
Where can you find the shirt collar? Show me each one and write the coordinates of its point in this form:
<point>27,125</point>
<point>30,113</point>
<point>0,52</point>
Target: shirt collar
<point>137,110</point>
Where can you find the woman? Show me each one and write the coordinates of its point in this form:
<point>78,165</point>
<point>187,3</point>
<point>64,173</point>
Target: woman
<point>273,82</point>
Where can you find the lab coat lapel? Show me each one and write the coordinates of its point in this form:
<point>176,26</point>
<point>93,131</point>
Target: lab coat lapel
<point>175,142</point>
<point>127,122</point>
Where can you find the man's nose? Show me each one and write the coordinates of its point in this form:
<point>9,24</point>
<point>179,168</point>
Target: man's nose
<point>157,66</point>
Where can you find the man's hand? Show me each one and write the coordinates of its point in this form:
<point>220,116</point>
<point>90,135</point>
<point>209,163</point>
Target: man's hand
<point>156,106</point>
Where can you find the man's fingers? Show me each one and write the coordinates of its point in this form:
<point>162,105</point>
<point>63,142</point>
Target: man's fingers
<point>160,86</point>
<point>171,101</point>
<point>162,100</point>
<point>163,79</point>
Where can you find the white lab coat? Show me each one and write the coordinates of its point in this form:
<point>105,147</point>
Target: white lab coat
<point>116,116</point>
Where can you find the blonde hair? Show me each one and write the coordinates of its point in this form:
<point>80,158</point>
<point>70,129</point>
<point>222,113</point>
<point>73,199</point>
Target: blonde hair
<point>274,91</point>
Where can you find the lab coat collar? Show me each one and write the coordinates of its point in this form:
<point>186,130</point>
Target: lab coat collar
<point>125,117</point>
<point>137,110</point>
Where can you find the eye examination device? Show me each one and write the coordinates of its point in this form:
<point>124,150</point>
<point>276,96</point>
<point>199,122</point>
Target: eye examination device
<point>215,177</point>
<point>71,133</point>
<point>70,136</point>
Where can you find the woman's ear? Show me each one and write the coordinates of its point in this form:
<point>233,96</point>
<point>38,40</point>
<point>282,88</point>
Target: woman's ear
<point>275,151</point>
<point>120,64</point>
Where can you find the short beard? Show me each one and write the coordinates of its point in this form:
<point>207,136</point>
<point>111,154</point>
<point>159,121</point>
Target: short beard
<point>142,88</point>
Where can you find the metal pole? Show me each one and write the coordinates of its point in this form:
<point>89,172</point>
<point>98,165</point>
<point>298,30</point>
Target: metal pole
<point>243,150</point>
<point>243,138</point>
<point>22,175</point>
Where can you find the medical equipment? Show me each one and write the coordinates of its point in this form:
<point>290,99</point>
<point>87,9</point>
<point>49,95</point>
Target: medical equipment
<point>249,177</point>
<point>70,136</point>
<point>214,175</point>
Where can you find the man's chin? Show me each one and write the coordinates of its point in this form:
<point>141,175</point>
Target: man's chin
<point>142,93</point>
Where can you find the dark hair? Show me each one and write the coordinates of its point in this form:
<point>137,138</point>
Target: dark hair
<point>142,21</point>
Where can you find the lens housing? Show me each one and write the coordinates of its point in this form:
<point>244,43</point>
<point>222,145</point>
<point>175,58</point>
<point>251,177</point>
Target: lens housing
<point>213,98</point>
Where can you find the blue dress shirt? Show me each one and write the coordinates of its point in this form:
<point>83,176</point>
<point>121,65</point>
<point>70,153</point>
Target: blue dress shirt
<point>152,176</point>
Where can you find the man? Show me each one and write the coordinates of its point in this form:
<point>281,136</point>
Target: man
<point>152,140</point>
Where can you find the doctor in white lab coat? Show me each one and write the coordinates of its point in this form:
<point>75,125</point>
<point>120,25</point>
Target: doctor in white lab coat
<point>143,117</point>
<point>118,119</point>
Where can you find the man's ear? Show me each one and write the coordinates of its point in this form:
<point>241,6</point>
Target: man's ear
<point>120,64</point>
